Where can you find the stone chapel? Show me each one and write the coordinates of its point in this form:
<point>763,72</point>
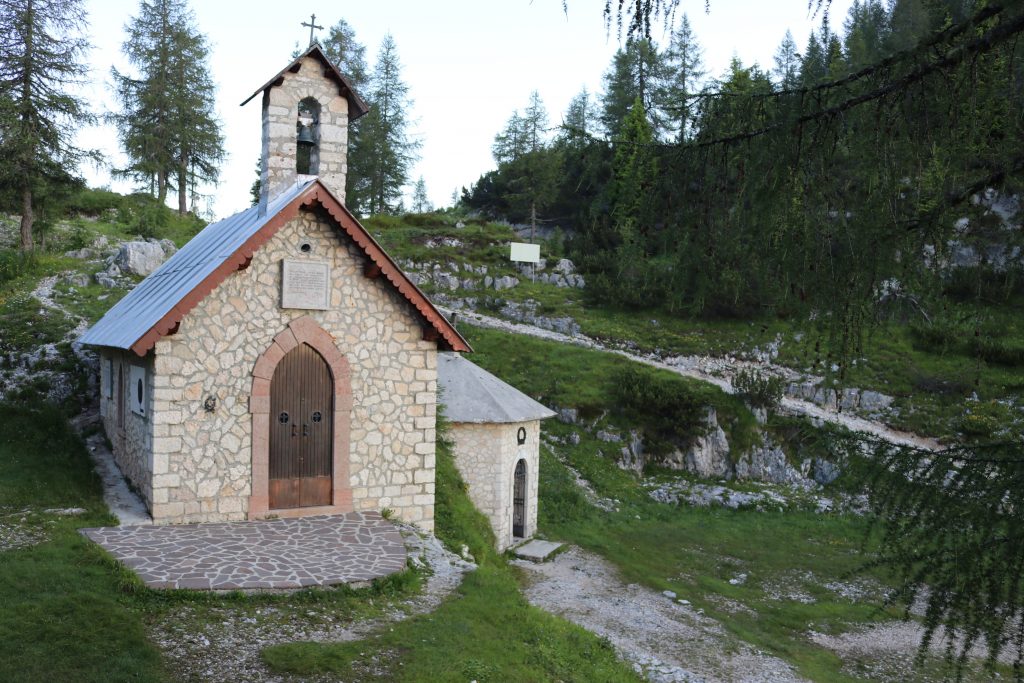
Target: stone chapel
<point>281,364</point>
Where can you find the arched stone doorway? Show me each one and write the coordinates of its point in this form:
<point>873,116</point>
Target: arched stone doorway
<point>266,415</point>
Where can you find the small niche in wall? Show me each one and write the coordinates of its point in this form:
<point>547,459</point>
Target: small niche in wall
<point>137,390</point>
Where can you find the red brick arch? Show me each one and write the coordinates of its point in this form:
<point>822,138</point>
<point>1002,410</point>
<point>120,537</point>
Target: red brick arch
<point>304,330</point>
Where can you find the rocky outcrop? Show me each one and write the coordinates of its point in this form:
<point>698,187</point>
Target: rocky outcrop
<point>142,257</point>
<point>710,455</point>
<point>707,455</point>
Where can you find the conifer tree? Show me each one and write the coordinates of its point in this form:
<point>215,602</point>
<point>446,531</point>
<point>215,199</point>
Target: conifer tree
<point>349,55</point>
<point>386,144</point>
<point>42,53</point>
<point>683,72</point>
<point>580,120</point>
<point>787,64</point>
<point>420,200</point>
<point>167,124</point>
<point>636,71</point>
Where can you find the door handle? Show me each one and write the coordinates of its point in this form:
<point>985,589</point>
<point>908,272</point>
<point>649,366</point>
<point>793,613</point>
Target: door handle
<point>305,430</point>
<point>295,429</point>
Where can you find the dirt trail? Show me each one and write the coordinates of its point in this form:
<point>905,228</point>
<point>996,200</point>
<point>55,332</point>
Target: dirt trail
<point>665,640</point>
<point>718,372</point>
<point>224,643</point>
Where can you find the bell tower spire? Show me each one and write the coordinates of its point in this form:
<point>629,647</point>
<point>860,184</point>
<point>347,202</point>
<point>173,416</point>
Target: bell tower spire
<point>307,108</point>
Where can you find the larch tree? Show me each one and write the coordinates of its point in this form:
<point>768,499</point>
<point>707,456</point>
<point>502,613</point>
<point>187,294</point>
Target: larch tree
<point>386,144</point>
<point>167,124</point>
<point>683,72</point>
<point>349,55</point>
<point>420,200</point>
<point>533,165</point>
<point>42,52</point>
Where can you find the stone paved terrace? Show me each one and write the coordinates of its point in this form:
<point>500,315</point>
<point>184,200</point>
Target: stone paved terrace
<point>271,554</point>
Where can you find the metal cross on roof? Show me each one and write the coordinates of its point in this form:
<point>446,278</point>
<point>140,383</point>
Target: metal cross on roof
<point>312,26</point>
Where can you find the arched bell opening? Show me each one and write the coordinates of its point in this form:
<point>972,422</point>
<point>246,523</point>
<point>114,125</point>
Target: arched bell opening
<point>307,138</point>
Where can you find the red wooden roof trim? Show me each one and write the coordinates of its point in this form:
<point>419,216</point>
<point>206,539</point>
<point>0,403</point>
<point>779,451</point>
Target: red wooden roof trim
<point>394,274</point>
<point>230,265</point>
<point>316,193</point>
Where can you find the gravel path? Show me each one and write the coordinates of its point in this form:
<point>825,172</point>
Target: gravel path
<point>665,640</point>
<point>717,371</point>
<point>224,643</point>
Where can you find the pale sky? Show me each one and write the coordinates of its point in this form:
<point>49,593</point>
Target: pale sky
<point>468,63</point>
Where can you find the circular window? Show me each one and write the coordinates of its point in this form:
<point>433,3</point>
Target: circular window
<point>317,417</point>
<point>306,247</point>
<point>283,418</point>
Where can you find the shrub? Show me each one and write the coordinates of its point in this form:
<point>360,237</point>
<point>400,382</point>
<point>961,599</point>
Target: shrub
<point>988,421</point>
<point>999,351</point>
<point>759,389</point>
<point>669,410</point>
<point>15,263</point>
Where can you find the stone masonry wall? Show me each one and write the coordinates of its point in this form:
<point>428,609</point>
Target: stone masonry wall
<point>280,114</point>
<point>486,455</point>
<point>202,461</point>
<point>132,443</point>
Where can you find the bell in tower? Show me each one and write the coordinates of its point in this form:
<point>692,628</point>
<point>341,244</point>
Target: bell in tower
<point>307,138</point>
<point>307,108</point>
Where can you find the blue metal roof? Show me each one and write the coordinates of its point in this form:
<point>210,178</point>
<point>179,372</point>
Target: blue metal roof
<point>153,298</point>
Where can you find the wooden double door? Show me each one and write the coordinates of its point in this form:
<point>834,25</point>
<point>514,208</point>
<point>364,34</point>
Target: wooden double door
<point>301,431</point>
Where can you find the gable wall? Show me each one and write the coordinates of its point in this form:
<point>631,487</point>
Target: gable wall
<point>280,113</point>
<point>394,385</point>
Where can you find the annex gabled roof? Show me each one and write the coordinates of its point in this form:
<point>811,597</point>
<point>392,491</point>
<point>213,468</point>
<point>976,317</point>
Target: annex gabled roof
<point>356,106</point>
<point>471,394</point>
<point>157,304</point>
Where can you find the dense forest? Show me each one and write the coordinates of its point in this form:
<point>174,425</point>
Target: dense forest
<point>844,175</point>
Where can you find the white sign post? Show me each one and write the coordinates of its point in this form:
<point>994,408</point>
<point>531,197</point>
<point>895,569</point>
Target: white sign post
<point>526,253</point>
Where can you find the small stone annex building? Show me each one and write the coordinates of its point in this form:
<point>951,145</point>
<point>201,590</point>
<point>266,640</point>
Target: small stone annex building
<point>496,433</point>
<point>280,364</point>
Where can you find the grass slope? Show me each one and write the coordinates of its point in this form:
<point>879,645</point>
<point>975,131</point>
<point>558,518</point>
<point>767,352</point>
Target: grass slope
<point>770,578</point>
<point>486,632</point>
<point>64,617</point>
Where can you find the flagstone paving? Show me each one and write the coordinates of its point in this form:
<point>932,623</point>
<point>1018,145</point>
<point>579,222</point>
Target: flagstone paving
<point>267,554</point>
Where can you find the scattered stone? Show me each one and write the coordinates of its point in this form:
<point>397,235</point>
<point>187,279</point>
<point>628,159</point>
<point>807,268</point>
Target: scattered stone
<point>78,280</point>
<point>569,416</point>
<point>105,280</point>
<point>671,595</point>
<point>65,512</point>
<point>505,282</point>
<point>84,253</point>
<point>608,437</point>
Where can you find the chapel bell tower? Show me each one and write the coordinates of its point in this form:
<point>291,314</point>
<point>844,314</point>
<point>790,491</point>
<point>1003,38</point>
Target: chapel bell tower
<point>306,111</point>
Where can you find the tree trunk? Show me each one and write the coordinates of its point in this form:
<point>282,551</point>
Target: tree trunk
<point>161,185</point>
<point>533,220</point>
<point>182,184</point>
<point>27,219</point>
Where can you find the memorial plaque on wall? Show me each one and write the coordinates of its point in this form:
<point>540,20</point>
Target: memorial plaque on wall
<point>305,284</point>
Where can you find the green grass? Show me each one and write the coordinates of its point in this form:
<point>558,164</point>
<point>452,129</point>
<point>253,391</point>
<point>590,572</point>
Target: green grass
<point>574,377</point>
<point>486,632</point>
<point>64,616</point>
<point>696,552</point>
